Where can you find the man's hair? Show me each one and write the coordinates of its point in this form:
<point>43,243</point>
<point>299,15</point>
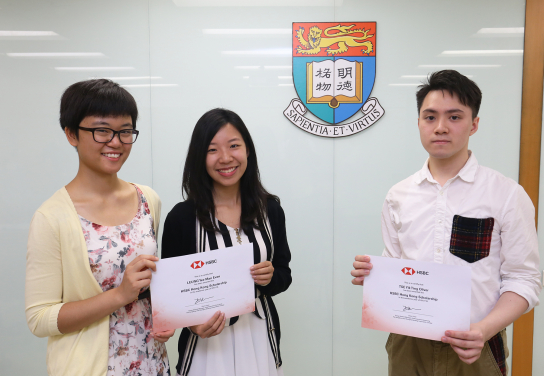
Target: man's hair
<point>99,97</point>
<point>453,82</point>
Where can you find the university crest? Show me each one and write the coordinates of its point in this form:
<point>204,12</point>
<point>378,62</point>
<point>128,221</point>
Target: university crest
<point>334,67</point>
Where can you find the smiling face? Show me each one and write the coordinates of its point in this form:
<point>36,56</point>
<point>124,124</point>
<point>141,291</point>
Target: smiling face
<point>445,125</point>
<point>101,158</point>
<point>226,160</point>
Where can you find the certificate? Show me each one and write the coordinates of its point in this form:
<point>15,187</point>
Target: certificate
<point>188,290</point>
<point>417,299</point>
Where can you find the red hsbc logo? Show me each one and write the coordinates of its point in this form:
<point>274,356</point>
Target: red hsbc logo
<point>410,271</point>
<point>197,264</point>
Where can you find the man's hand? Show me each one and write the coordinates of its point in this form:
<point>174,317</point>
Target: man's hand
<point>362,268</point>
<point>210,328</point>
<point>468,345</point>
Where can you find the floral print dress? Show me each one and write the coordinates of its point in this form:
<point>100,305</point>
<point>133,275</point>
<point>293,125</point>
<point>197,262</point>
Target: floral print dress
<point>132,349</point>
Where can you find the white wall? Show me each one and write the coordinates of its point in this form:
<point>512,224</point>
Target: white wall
<point>331,190</point>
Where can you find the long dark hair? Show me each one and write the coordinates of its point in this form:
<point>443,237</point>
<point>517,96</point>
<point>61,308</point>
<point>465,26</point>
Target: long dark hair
<point>198,185</point>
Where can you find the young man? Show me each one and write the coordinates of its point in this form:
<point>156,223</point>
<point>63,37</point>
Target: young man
<point>454,211</point>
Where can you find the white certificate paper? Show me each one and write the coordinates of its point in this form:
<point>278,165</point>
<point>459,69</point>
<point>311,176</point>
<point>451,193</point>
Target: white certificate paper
<point>188,290</point>
<point>417,299</point>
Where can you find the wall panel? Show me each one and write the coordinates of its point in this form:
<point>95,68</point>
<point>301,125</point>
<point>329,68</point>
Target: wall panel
<point>538,344</point>
<point>36,158</point>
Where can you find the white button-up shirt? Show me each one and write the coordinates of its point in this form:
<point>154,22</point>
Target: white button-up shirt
<point>417,219</point>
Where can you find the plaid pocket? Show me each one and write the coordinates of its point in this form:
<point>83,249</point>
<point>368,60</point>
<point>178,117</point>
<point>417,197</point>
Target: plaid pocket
<point>471,237</point>
<point>497,349</point>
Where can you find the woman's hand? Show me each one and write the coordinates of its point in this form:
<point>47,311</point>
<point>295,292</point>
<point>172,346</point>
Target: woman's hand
<point>211,328</point>
<point>137,276</point>
<point>163,336</point>
<point>77,315</point>
<point>262,273</point>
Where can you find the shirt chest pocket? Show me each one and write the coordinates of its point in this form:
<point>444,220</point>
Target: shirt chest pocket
<point>471,237</point>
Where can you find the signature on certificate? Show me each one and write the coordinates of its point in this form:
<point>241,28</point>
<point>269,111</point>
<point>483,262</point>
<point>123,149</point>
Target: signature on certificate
<point>405,309</point>
<point>200,300</point>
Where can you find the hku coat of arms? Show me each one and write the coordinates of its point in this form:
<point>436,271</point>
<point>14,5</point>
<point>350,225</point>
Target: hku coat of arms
<point>334,67</point>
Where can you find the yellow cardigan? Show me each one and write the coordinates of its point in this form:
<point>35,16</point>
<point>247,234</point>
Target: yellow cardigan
<point>58,272</point>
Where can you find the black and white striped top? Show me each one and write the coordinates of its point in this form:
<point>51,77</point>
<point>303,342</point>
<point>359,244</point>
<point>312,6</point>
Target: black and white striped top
<point>184,235</point>
<point>263,249</point>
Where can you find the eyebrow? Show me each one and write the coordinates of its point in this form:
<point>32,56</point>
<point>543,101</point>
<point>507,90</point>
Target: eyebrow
<point>231,140</point>
<point>109,125</point>
<point>447,112</point>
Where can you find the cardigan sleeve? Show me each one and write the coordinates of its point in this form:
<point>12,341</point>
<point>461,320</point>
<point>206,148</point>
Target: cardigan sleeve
<point>43,285</point>
<point>281,278</point>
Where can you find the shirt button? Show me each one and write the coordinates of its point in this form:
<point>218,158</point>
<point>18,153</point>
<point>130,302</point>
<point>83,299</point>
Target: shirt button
<point>438,250</point>
<point>441,193</point>
<point>439,221</point>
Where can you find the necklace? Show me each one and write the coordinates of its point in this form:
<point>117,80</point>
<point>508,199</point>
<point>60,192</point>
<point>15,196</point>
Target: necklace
<point>238,238</point>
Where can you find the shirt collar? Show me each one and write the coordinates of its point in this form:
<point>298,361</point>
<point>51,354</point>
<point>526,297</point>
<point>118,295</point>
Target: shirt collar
<point>467,173</point>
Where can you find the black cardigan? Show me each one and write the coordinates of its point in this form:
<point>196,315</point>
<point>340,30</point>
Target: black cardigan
<point>179,239</point>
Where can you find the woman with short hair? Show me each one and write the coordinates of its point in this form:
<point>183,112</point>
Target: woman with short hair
<point>92,247</point>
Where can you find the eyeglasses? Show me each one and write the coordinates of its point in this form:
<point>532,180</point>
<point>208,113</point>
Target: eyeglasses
<point>105,135</point>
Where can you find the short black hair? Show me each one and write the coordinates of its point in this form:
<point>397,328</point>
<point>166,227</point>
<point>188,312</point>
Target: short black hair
<point>99,97</point>
<point>467,91</point>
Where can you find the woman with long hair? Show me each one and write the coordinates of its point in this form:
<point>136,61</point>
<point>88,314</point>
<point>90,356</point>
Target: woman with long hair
<point>227,205</point>
<point>92,247</point>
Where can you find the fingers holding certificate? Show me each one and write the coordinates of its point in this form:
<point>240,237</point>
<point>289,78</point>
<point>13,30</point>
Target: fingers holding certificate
<point>212,327</point>
<point>362,267</point>
<point>187,291</point>
<point>262,273</point>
